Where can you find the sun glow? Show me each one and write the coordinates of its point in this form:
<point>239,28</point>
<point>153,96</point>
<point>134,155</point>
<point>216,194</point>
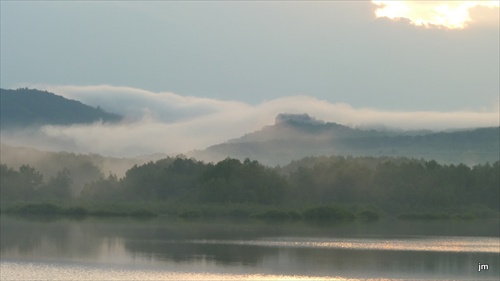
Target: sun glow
<point>447,14</point>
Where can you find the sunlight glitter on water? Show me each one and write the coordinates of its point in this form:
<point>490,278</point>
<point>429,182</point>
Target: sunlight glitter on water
<point>434,244</point>
<point>50,271</point>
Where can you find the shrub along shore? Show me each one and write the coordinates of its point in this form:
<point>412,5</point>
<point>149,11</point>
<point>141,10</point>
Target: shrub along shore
<point>332,213</point>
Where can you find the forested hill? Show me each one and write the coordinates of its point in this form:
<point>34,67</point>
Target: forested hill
<point>30,107</point>
<point>297,136</point>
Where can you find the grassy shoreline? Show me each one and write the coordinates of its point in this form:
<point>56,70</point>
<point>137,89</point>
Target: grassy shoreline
<point>322,213</point>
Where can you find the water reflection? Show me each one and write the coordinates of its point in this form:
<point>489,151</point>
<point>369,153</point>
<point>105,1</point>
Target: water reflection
<point>436,244</point>
<point>380,250</point>
<point>38,271</point>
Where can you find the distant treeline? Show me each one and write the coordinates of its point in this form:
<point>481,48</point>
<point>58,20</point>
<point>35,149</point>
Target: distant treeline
<point>83,168</point>
<point>388,185</point>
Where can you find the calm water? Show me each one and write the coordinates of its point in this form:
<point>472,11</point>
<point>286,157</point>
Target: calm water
<point>159,249</point>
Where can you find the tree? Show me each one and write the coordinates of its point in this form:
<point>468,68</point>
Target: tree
<point>104,189</point>
<point>247,182</point>
<point>58,187</point>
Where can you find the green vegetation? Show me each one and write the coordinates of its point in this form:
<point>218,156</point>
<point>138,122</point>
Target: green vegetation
<point>279,215</point>
<point>49,209</point>
<point>312,189</point>
<point>333,213</point>
<point>368,215</point>
<point>83,168</point>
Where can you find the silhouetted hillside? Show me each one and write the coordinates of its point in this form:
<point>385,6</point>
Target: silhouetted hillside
<point>293,137</point>
<point>31,107</point>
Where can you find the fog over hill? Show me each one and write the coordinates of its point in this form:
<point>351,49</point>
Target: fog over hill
<point>211,130</point>
<point>294,136</point>
<point>172,123</point>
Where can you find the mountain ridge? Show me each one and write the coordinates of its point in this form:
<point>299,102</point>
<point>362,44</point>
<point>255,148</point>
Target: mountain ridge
<point>32,108</point>
<point>296,136</point>
<point>291,137</point>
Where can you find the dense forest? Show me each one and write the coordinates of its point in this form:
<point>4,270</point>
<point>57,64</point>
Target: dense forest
<point>377,186</point>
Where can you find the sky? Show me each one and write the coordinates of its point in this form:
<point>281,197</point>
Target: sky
<point>188,74</point>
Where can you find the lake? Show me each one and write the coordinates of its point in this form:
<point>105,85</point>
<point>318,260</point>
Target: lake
<point>167,249</point>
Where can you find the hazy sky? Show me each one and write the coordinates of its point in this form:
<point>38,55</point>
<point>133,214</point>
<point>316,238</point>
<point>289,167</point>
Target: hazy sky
<point>184,63</point>
<point>253,51</point>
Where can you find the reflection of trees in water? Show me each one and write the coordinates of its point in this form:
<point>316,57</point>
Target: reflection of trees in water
<point>184,242</point>
<point>165,230</point>
<point>168,241</point>
<point>45,236</point>
<point>183,251</point>
<point>316,261</point>
<point>174,243</point>
<point>85,238</point>
<point>18,236</point>
<point>347,262</point>
<point>25,236</point>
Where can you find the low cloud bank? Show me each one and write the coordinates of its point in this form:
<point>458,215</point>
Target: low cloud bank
<point>171,123</point>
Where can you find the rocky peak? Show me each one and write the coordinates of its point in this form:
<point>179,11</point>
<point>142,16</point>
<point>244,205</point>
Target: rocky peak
<point>300,119</point>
